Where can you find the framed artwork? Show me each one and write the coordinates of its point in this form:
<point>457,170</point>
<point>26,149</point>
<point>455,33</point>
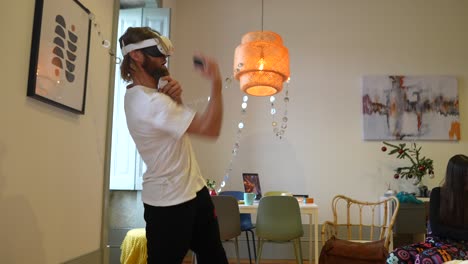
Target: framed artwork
<point>252,184</point>
<point>59,54</point>
<point>396,107</point>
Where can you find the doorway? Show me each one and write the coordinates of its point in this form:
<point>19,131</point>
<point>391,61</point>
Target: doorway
<point>125,208</point>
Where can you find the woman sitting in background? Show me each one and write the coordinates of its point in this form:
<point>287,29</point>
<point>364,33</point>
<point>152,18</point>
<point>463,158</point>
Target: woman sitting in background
<point>448,220</point>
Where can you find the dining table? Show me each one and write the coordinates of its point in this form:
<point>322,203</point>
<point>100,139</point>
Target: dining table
<point>309,209</point>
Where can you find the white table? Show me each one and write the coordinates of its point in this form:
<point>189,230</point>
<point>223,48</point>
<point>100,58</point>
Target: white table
<point>308,209</point>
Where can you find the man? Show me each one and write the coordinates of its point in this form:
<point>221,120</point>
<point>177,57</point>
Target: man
<point>179,213</point>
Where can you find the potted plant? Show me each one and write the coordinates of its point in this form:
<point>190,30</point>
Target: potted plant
<point>211,184</point>
<point>419,166</point>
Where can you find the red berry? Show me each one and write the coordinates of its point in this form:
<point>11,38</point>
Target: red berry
<point>400,151</point>
<point>422,168</point>
<point>384,148</point>
<point>396,176</point>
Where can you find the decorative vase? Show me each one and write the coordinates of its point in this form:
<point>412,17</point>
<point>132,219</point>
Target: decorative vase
<point>389,193</point>
<point>423,190</point>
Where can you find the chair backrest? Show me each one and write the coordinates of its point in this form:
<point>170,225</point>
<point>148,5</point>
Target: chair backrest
<point>246,219</point>
<point>277,193</point>
<point>227,211</point>
<point>237,194</point>
<point>361,220</point>
<point>279,218</point>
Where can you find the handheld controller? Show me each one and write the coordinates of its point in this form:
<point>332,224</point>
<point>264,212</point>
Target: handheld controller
<point>198,62</point>
<point>161,83</point>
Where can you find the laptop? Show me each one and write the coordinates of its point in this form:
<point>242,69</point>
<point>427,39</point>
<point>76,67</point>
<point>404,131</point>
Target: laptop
<point>252,184</point>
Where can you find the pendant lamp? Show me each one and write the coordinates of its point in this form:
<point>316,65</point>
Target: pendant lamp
<point>261,63</point>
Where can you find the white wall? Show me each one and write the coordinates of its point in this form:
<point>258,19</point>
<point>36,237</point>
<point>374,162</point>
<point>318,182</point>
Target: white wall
<point>51,161</point>
<point>332,44</point>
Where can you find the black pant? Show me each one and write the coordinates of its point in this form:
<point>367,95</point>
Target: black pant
<point>171,231</point>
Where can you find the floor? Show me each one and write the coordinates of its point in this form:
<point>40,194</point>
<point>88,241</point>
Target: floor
<point>266,261</point>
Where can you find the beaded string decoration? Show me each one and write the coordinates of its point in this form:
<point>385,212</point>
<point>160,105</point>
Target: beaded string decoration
<point>236,145</point>
<point>278,131</point>
<point>104,42</point>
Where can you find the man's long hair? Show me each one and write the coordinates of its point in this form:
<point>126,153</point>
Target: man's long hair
<point>454,193</point>
<point>133,35</point>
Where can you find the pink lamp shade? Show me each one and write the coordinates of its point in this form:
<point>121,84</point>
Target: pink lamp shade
<point>261,63</point>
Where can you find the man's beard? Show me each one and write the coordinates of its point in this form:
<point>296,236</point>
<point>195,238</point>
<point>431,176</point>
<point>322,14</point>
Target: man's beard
<point>154,70</point>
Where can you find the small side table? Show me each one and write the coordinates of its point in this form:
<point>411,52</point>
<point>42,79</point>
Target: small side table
<point>411,223</point>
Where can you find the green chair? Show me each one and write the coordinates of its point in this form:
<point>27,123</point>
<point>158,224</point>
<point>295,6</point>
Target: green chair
<point>279,221</point>
<point>277,193</point>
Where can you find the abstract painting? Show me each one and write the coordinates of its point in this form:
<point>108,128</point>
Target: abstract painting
<point>398,107</point>
<point>59,54</point>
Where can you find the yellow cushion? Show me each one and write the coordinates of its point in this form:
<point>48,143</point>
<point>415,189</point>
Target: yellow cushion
<point>134,247</point>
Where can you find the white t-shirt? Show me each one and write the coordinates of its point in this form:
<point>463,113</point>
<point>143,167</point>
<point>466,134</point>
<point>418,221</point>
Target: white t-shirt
<point>158,126</point>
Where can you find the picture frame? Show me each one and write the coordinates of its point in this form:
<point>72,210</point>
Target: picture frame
<point>251,183</point>
<point>410,107</point>
<point>59,57</point>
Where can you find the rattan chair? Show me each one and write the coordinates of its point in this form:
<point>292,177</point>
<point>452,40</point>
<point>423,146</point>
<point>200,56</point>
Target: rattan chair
<point>361,221</point>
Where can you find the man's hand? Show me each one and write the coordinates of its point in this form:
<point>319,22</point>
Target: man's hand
<point>172,89</point>
<point>207,67</point>
<point>209,123</point>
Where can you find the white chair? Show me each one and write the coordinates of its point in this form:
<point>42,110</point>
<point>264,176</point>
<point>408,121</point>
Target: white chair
<point>227,212</point>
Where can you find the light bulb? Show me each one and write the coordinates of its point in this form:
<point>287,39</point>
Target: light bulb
<point>262,64</point>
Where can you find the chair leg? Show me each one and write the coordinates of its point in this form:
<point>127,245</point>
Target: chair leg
<point>298,251</point>
<point>253,239</point>
<point>295,250</point>
<point>248,245</point>
<point>260,247</point>
<point>236,242</point>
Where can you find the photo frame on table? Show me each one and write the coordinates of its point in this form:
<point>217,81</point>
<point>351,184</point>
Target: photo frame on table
<point>251,183</point>
<point>58,63</point>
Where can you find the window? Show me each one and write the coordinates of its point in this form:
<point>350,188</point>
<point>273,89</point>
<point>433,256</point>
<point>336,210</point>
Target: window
<point>127,167</point>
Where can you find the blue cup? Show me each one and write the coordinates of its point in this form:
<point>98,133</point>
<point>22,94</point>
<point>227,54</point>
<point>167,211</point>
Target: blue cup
<point>249,198</point>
